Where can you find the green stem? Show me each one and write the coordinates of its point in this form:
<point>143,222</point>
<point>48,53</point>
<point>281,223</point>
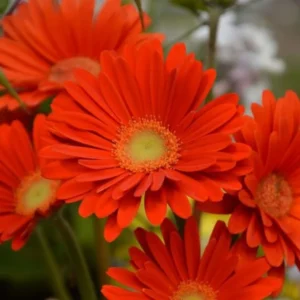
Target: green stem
<point>54,271</point>
<point>4,81</point>
<point>102,252</point>
<point>197,213</point>
<point>180,225</point>
<point>214,18</point>
<point>140,9</point>
<point>84,280</point>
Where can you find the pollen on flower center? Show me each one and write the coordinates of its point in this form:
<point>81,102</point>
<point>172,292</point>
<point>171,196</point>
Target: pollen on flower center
<point>63,70</point>
<point>193,290</point>
<point>145,145</point>
<point>274,195</point>
<point>35,193</point>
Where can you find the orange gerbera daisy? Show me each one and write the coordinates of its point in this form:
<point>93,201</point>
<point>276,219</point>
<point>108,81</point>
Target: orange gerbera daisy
<point>25,195</point>
<point>44,40</point>
<point>174,270</point>
<point>134,130</point>
<point>268,210</point>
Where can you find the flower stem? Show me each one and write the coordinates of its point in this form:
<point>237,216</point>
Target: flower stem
<point>214,18</point>
<point>180,224</point>
<point>197,213</point>
<point>54,271</point>
<point>139,6</point>
<point>84,279</point>
<point>102,252</point>
<point>4,82</point>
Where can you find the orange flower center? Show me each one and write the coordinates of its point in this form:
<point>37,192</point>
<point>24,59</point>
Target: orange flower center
<point>145,145</point>
<point>35,193</point>
<point>192,290</point>
<point>274,195</point>
<point>63,70</point>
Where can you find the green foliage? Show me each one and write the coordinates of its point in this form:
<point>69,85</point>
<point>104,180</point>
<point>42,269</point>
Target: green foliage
<point>197,5</point>
<point>24,265</point>
<point>226,3</point>
<point>45,107</point>
<point>3,6</point>
<point>289,80</point>
<point>192,5</point>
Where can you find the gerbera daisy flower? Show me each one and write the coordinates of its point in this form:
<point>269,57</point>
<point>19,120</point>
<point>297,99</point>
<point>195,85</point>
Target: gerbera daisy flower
<point>25,196</point>
<point>175,270</point>
<point>268,208</point>
<point>135,130</point>
<point>45,40</point>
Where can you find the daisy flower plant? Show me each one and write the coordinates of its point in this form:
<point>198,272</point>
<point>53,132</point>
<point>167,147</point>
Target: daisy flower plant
<point>25,195</point>
<point>141,130</point>
<point>134,132</point>
<point>45,40</point>
<point>173,269</point>
<point>268,204</point>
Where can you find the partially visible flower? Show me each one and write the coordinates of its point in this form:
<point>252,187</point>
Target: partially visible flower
<point>25,196</point>
<point>137,130</point>
<point>173,269</point>
<point>45,40</point>
<point>247,54</point>
<point>268,207</point>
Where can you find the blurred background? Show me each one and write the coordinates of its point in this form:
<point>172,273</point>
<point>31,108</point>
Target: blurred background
<point>258,48</point>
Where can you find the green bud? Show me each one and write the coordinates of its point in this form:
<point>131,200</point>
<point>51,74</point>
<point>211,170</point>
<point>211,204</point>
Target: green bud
<point>203,5</point>
<point>191,5</point>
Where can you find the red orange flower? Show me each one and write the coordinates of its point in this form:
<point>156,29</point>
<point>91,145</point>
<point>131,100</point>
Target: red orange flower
<point>269,203</point>
<point>135,130</point>
<point>25,195</point>
<point>174,270</point>
<point>44,40</point>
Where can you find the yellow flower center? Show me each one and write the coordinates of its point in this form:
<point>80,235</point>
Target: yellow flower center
<point>274,195</point>
<point>35,193</point>
<point>192,290</point>
<point>145,145</point>
<point>63,70</point>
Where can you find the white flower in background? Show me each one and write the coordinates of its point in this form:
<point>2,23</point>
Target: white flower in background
<point>248,54</point>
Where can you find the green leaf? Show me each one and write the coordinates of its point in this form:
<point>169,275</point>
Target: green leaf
<point>3,6</point>
<point>192,5</point>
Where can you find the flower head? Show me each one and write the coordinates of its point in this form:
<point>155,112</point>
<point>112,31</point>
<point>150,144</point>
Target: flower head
<point>135,130</point>
<point>268,207</point>
<point>45,40</point>
<point>173,269</point>
<point>25,195</point>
